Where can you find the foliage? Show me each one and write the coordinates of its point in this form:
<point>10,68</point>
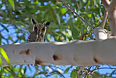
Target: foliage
<point>15,26</point>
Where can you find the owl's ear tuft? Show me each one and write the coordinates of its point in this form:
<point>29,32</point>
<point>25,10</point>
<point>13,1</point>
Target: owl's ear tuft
<point>46,23</point>
<point>34,21</point>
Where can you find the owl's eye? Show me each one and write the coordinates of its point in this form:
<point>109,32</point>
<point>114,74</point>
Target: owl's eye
<point>35,27</point>
<point>43,29</point>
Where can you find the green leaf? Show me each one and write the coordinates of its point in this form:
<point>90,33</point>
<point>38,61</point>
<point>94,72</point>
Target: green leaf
<point>67,69</point>
<point>1,64</point>
<point>4,27</point>
<point>96,74</point>
<point>57,72</point>
<point>113,72</point>
<point>48,38</point>
<point>12,3</point>
<point>63,35</point>
<point>73,74</point>
<point>85,2</point>
<point>5,55</point>
<point>10,38</point>
<point>93,10</point>
<point>52,13</point>
<point>63,10</point>
<point>74,30</point>
<point>24,70</point>
<point>58,18</point>
<point>53,25</point>
<point>39,17</point>
<point>0,61</point>
<point>45,72</point>
<point>80,5</point>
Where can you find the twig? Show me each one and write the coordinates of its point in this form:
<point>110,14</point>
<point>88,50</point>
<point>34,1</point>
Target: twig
<point>68,6</point>
<point>4,28</point>
<point>10,72</point>
<point>18,71</point>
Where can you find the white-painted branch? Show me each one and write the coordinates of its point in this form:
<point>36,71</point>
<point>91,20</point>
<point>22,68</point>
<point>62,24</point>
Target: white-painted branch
<point>106,4</point>
<point>112,17</point>
<point>100,33</point>
<point>104,19</point>
<point>79,53</point>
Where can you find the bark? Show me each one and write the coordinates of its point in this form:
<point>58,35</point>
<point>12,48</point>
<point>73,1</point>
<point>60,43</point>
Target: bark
<point>79,53</point>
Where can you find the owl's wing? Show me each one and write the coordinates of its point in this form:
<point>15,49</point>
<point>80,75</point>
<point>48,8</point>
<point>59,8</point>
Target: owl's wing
<point>32,37</point>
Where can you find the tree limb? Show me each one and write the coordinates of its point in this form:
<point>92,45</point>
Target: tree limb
<point>106,4</point>
<point>68,6</point>
<point>112,17</point>
<point>99,32</point>
<point>104,19</point>
<point>79,53</point>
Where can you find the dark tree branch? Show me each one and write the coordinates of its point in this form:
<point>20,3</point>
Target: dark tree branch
<point>73,11</point>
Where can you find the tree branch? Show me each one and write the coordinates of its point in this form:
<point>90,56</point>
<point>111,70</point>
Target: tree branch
<point>79,53</point>
<point>68,6</point>
<point>99,32</point>
<point>112,17</point>
<point>104,19</point>
<point>106,4</point>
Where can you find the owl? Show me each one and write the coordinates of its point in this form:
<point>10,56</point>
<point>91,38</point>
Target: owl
<point>39,31</point>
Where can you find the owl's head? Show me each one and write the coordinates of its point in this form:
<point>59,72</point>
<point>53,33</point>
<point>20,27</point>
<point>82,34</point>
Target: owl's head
<point>40,28</point>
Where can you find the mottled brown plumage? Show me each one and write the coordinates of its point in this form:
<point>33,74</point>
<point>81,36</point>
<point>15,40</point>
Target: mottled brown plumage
<point>39,31</point>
